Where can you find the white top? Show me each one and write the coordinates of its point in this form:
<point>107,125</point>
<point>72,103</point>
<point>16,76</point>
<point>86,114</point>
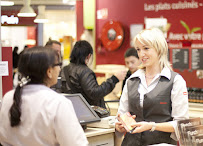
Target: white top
<point>179,94</point>
<point>48,118</point>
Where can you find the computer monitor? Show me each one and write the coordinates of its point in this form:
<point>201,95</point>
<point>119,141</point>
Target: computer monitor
<point>83,110</point>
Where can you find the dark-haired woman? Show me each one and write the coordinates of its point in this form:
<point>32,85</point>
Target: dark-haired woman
<point>81,79</point>
<point>35,115</point>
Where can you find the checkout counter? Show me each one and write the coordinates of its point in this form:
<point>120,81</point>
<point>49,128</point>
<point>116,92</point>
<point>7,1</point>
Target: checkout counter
<point>101,133</point>
<point>196,110</point>
<point>100,136</point>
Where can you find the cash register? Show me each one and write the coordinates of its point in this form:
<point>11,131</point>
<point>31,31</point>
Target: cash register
<point>83,110</point>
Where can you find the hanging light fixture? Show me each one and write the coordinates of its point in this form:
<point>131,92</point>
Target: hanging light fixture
<point>7,3</point>
<point>26,10</point>
<point>41,15</point>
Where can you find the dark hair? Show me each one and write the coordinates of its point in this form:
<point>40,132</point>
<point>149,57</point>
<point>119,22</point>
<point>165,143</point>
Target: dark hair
<point>51,42</point>
<point>25,47</point>
<point>34,64</point>
<point>15,49</point>
<point>131,52</point>
<point>80,51</point>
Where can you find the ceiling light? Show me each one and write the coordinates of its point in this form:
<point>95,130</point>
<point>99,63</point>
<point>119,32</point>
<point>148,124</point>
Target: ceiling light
<point>26,10</point>
<point>7,3</point>
<point>41,15</point>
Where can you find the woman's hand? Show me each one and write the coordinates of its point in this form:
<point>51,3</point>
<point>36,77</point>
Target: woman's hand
<point>141,126</point>
<point>120,75</point>
<point>119,126</point>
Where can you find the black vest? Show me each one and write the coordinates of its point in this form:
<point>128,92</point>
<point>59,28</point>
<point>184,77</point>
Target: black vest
<point>156,108</point>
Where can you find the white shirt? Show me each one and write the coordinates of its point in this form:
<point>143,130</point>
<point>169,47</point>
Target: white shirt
<point>179,95</point>
<point>47,118</point>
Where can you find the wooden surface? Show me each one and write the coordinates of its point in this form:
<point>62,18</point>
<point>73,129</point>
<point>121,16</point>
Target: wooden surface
<point>89,132</point>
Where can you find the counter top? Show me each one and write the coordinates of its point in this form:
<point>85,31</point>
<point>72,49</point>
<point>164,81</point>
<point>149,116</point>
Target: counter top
<point>196,110</point>
<point>89,132</point>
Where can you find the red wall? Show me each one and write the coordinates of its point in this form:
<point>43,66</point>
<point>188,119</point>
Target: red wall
<point>7,81</point>
<point>79,14</point>
<point>133,12</point>
<point>32,34</point>
<point>126,12</point>
<point>191,16</point>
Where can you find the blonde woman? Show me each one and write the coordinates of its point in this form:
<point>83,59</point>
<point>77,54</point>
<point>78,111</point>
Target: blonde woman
<point>155,94</point>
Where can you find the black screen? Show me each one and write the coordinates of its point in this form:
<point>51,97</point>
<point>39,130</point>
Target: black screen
<point>83,110</point>
<point>180,58</point>
<point>197,58</point>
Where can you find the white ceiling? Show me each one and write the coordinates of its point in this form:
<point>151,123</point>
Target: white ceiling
<point>45,2</point>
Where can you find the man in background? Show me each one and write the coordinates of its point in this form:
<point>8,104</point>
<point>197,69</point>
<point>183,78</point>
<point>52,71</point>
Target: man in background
<point>132,62</point>
<point>56,45</point>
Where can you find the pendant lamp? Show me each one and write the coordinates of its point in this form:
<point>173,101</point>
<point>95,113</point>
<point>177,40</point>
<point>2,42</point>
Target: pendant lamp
<point>7,3</point>
<point>26,10</point>
<point>41,18</point>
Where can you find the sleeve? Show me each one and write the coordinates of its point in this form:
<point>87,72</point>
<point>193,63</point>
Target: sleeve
<point>92,89</point>
<point>126,77</point>
<point>67,128</point>
<point>179,98</point>
<point>123,106</point>
<point>123,84</point>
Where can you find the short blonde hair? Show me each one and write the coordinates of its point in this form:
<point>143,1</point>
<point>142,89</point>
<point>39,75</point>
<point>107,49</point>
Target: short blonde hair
<point>155,38</point>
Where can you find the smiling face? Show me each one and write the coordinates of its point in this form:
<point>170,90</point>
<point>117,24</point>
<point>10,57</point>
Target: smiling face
<point>132,63</point>
<point>147,54</point>
<point>153,48</point>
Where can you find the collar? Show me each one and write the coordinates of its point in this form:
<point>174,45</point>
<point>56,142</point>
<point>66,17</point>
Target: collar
<point>166,72</point>
<point>36,86</point>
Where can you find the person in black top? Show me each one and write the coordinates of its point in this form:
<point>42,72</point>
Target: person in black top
<point>15,60</point>
<point>132,62</point>
<point>81,79</point>
<point>15,57</point>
